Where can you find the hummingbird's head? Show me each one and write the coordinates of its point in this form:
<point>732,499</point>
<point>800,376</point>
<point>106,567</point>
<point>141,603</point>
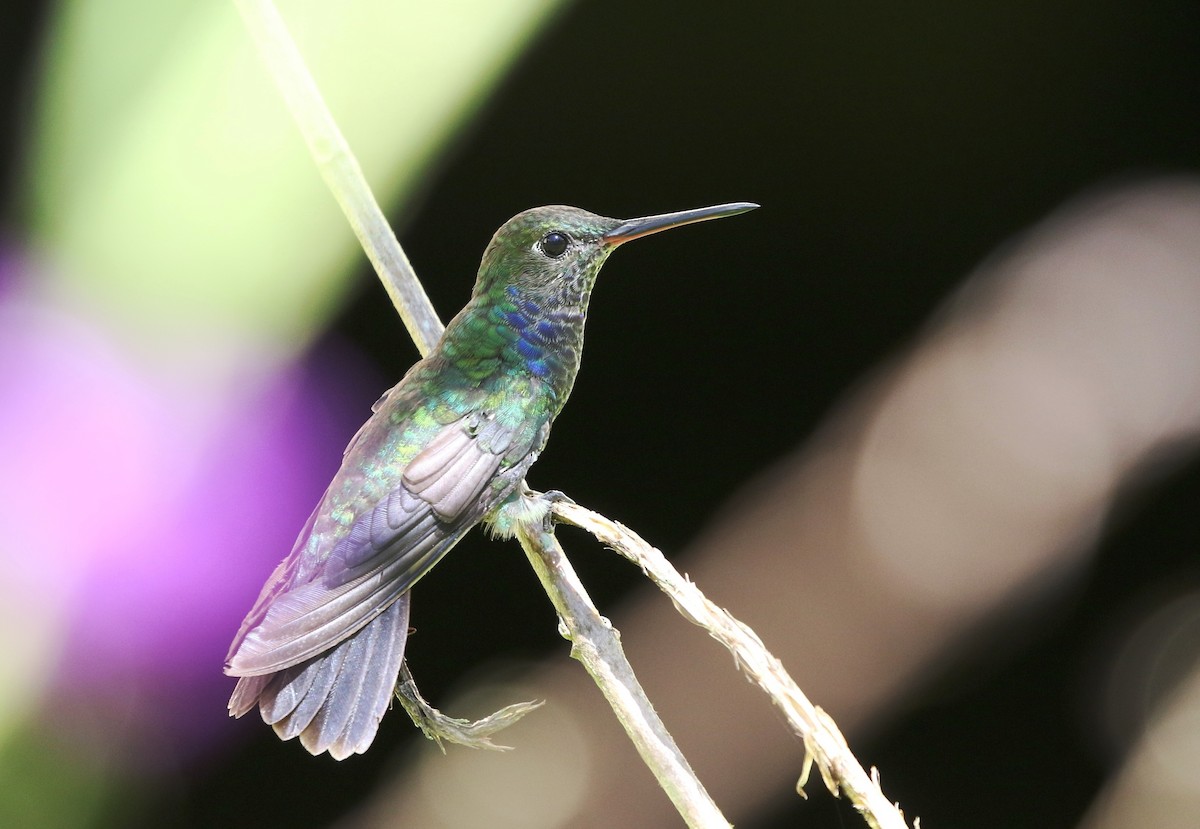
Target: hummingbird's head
<point>551,255</point>
<point>548,254</point>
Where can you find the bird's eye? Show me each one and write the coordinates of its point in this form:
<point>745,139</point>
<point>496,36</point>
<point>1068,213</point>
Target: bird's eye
<point>554,244</point>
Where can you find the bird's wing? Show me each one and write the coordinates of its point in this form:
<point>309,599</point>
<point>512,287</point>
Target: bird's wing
<point>446,489</point>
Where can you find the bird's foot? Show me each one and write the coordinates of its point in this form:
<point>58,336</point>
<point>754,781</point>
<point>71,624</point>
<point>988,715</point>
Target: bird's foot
<point>524,508</point>
<point>556,496</point>
<point>527,507</point>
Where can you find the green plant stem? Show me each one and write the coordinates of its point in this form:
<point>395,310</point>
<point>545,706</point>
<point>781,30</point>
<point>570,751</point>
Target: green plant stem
<point>341,172</point>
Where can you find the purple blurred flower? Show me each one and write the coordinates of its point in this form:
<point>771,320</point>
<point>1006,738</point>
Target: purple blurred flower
<point>148,535</point>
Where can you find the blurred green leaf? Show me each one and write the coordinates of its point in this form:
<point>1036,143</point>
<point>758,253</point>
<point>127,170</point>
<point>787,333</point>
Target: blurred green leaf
<point>172,190</point>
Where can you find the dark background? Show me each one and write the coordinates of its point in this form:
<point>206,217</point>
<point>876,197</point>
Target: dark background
<point>892,149</point>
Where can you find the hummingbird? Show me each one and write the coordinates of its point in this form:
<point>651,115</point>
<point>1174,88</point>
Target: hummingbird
<point>445,449</point>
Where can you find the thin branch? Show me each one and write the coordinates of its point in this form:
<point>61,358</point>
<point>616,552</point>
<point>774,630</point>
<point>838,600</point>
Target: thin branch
<point>823,741</point>
<point>598,647</point>
<point>439,727</point>
<point>341,172</point>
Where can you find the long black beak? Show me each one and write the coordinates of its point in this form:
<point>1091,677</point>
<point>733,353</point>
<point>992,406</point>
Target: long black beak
<point>637,228</point>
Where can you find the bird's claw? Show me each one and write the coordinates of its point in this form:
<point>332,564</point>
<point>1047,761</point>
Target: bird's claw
<point>557,496</point>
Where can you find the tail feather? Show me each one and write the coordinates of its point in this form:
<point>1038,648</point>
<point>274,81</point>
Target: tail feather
<point>334,701</point>
<point>293,706</point>
<point>377,689</point>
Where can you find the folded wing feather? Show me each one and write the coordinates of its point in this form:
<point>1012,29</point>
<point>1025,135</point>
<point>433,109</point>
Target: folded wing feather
<point>385,551</point>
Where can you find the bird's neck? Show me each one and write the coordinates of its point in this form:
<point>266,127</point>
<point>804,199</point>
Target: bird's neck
<point>505,333</point>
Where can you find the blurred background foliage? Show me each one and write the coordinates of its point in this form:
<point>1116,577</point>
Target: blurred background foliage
<point>188,335</point>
